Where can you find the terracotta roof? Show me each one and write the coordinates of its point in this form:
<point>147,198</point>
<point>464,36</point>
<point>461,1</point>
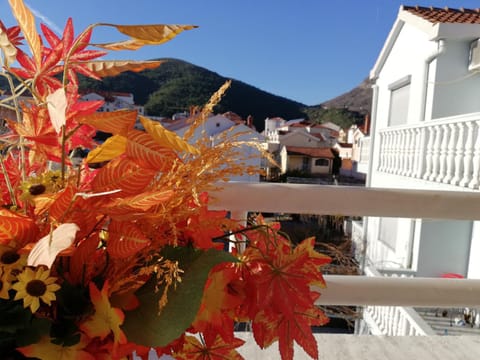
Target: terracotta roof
<point>312,152</point>
<point>446,14</point>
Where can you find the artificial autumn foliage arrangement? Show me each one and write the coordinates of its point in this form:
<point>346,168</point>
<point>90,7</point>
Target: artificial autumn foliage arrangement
<point>121,253</point>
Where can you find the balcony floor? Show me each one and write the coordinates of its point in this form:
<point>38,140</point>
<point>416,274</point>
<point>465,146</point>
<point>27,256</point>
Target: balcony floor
<point>449,322</point>
<point>347,347</point>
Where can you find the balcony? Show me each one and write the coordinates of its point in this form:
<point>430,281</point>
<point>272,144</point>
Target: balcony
<point>388,301</point>
<point>445,151</point>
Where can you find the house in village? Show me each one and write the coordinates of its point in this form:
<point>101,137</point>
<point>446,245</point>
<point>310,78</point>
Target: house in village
<point>216,127</point>
<point>425,134</point>
<point>298,145</point>
<point>113,101</point>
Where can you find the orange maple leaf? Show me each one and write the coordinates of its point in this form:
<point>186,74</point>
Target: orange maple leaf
<point>106,318</point>
<point>45,349</point>
<point>212,348</point>
<point>37,128</point>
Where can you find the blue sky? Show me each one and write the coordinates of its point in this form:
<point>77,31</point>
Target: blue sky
<point>305,50</point>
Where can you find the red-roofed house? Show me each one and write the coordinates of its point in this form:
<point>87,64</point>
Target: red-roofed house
<point>311,141</point>
<point>311,160</point>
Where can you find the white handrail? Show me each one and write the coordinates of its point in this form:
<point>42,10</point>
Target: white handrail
<point>416,292</point>
<point>346,200</point>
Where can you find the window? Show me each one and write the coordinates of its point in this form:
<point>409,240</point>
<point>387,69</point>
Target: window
<point>321,162</point>
<point>399,100</point>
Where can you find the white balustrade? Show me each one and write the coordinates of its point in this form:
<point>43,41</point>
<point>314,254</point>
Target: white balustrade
<point>445,151</point>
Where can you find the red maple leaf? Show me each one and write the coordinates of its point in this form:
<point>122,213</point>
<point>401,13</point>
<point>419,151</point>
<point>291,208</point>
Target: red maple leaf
<point>73,50</point>
<point>269,327</point>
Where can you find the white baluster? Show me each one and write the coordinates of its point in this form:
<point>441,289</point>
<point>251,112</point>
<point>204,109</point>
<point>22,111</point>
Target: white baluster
<point>473,184</point>
<point>436,153</point>
<point>388,157</point>
<point>467,159</point>
<point>401,153</point>
<point>429,153</point>
<point>384,319</point>
<point>383,152</point>
<point>410,154</point>
<point>391,316</point>
<point>450,160</point>
<point>402,329</point>
<point>396,320</point>
<point>459,152</point>
<point>442,160</point>
<point>406,154</point>
<point>411,331</point>
<point>420,152</point>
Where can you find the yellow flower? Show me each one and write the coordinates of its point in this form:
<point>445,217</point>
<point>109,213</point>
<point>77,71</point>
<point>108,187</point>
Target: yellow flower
<point>33,286</point>
<point>49,182</point>
<point>11,260</point>
<point>4,284</point>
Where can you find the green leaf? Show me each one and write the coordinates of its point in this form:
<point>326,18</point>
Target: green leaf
<point>14,316</point>
<point>39,327</point>
<point>143,325</point>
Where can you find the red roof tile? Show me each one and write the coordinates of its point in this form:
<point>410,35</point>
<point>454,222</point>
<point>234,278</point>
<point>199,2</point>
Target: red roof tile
<point>446,14</point>
<point>312,152</point>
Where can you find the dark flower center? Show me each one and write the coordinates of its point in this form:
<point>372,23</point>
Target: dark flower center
<point>9,257</point>
<point>37,189</point>
<point>36,288</point>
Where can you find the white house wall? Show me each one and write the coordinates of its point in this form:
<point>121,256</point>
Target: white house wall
<point>444,247</point>
<point>382,254</point>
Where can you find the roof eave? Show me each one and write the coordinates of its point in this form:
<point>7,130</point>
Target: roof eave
<point>403,17</point>
<point>387,48</point>
<point>456,31</point>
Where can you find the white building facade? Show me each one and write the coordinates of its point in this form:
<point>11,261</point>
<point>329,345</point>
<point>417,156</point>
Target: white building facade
<point>424,135</point>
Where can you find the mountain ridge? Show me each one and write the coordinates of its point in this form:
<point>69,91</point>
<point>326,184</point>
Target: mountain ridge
<point>176,85</point>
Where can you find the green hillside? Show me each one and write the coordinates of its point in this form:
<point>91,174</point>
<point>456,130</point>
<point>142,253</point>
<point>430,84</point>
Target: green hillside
<point>176,85</point>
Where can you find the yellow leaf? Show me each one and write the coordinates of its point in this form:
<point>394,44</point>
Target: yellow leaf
<point>166,137</point>
<point>144,35</point>
<point>26,21</point>
<point>57,106</point>
<point>106,318</point>
<point>110,149</point>
<point>9,51</point>
<point>114,122</point>
<point>45,349</point>
<point>115,67</point>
